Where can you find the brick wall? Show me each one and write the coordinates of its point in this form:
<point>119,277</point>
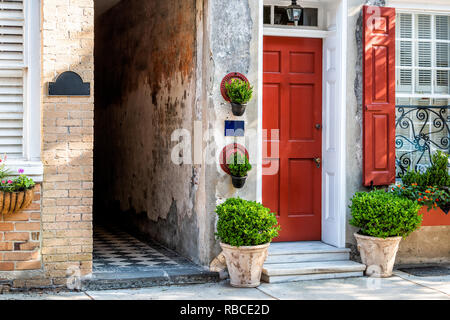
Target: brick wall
<point>20,238</point>
<point>67,44</point>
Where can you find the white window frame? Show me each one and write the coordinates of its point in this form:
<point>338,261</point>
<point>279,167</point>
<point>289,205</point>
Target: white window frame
<point>414,40</point>
<point>31,153</point>
<point>434,7</point>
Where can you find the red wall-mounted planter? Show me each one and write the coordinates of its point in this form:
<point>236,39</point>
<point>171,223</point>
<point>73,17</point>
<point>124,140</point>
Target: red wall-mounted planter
<point>228,151</point>
<point>434,218</point>
<point>227,79</point>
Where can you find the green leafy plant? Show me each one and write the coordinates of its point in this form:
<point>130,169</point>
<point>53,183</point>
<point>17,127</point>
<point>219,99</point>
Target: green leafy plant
<point>384,214</point>
<point>4,172</point>
<point>7,186</point>
<point>245,223</point>
<point>20,183</point>
<point>23,183</point>
<point>429,188</point>
<point>436,175</point>
<point>239,165</point>
<point>432,197</point>
<point>239,91</point>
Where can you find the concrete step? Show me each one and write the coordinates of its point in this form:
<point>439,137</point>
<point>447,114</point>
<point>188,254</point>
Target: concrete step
<point>297,252</point>
<point>308,247</point>
<point>314,260</point>
<point>307,257</point>
<point>307,268</point>
<point>308,277</point>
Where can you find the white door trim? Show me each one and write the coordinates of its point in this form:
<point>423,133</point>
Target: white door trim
<point>334,196</point>
<point>299,33</point>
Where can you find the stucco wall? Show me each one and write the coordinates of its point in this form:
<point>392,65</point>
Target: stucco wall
<point>427,245</point>
<point>233,43</point>
<point>145,66</point>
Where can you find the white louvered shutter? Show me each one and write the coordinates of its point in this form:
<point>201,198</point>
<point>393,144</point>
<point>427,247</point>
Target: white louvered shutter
<point>442,54</point>
<point>423,54</point>
<point>12,66</point>
<point>404,53</point>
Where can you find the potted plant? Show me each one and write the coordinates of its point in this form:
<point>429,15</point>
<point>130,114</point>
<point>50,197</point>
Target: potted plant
<point>17,193</point>
<point>430,189</point>
<point>239,166</point>
<point>240,93</point>
<point>383,218</point>
<point>245,230</point>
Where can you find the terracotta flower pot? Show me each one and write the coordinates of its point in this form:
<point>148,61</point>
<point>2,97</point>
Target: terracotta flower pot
<point>245,264</point>
<point>12,202</point>
<point>378,254</point>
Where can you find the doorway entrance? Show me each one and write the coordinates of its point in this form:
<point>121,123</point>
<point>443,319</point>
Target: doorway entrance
<point>292,104</point>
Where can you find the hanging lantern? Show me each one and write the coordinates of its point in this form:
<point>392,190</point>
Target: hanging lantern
<point>294,12</point>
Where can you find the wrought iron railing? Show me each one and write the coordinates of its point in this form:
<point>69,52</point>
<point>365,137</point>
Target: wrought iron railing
<point>420,131</point>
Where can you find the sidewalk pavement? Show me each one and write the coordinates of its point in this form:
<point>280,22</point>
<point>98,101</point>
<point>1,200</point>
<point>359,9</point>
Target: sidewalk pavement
<point>402,286</point>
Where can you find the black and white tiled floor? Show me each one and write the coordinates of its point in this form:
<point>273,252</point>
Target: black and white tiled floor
<point>117,251</point>
<point>123,262</point>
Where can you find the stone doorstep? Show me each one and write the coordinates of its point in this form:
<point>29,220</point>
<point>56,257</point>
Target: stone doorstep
<point>307,257</point>
<point>313,268</point>
<point>305,247</point>
<point>309,277</point>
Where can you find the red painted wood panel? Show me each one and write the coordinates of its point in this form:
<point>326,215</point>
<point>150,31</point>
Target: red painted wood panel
<point>292,102</point>
<point>379,96</point>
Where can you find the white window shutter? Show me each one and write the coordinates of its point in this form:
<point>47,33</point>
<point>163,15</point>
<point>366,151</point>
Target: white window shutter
<point>424,26</point>
<point>404,53</point>
<point>11,77</point>
<point>442,54</point>
<point>405,26</point>
<point>442,27</point>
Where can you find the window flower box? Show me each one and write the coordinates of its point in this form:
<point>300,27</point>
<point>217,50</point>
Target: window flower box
<point>12,202</point>
<point>434,217</point>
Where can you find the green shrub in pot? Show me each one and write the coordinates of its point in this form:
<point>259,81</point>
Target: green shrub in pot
<point>245,230</point>
<point>383,219</point>
<point>382,215</point>
<point>245,223</point>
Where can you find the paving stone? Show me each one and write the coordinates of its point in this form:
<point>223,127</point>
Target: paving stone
<point>362,288</point>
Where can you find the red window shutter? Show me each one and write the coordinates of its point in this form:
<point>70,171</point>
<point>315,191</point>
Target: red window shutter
<point>379,96</point>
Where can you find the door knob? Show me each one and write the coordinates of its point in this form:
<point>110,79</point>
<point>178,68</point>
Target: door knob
<point>318,162</point>
<point>318,126</point>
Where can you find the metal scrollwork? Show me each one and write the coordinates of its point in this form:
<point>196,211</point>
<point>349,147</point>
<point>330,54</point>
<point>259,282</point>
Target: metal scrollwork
<point>428,132</point>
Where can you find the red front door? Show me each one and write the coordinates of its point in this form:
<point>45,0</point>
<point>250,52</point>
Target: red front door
<point>292,103</point>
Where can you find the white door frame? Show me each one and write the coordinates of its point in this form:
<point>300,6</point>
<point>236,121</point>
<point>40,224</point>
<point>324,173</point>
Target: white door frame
<point>334,196</point>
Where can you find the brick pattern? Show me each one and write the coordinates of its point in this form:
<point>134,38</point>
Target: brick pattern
<point>68,134</point>
<point>20,238</point>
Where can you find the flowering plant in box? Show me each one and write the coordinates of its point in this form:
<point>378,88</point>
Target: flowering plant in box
<point>16,193</point>
<point>432,197</point>
<point>429,188</point>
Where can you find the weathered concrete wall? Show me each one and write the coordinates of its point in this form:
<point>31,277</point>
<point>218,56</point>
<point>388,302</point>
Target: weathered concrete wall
<point>427,245</point>
<point>146,70</point>
<point>233,43</point>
